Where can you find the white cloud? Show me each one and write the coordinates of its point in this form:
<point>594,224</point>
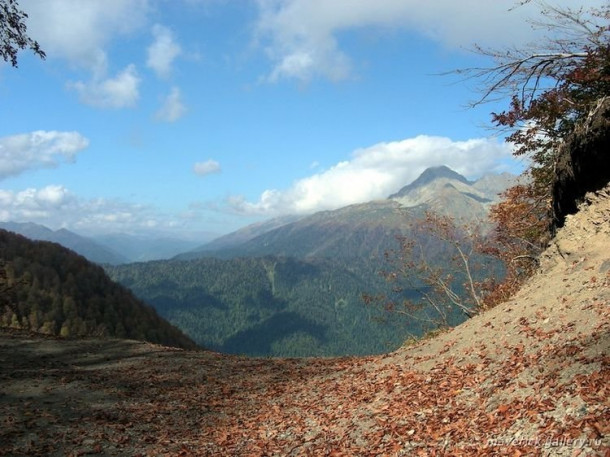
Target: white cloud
<point>300,36</point>
<point>39,149</point>
<point>79,30</point>
<point>172,108</point>
<point>207,167</point>
<point>122,91</point>
<point>34,204</point>
<point>53,196</point>
<point>376,172</point>
<point>55,206</point>
<point>163,51</point>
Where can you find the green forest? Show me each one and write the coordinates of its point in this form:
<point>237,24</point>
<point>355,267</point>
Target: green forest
<point>49,289</point>
<point>272,306</point>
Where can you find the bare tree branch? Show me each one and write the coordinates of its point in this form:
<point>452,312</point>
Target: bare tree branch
<point>570,33</point>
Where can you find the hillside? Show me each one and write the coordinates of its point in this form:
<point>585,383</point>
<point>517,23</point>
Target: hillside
<point>47,288</point>
<point>530,377</point>
<point>242,235</point>
<point>363,230</point>
<point>271,306</point>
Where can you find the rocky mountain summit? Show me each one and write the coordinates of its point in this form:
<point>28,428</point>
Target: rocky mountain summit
<point>444,191</point>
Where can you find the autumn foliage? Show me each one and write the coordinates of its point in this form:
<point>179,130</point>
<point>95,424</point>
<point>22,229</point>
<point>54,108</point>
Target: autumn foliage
<point>553,87</point>
<point>521,231</point>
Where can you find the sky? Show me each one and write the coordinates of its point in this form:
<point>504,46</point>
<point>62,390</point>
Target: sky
<point>193,118</point>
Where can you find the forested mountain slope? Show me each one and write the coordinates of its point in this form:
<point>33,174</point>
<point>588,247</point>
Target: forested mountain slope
<point>296,289</point>
<point>271,306</point>
<point>529,377</point>
<point>49,289</point>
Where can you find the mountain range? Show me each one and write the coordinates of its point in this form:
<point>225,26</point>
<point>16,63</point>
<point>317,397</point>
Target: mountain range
<point>112,249</point>
<point>290,286</point>
<point>366,229</point>
<point>294,286</point>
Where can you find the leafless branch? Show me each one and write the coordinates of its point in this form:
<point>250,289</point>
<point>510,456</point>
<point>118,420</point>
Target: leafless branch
<point>569,35</point>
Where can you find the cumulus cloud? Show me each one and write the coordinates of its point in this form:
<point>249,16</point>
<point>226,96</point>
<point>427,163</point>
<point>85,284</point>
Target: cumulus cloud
<point>173,108</point>
<point>39,149</point>
<point>206,168</point>
<point>55,206</point>
<point>163,51</point>
<point>34,204</point>
<point>376,172</point>
<point>79,31</point>
<point>300,36</point>
<point>122,91</point>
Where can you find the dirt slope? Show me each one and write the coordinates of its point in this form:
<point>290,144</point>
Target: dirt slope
<point>530,377</point>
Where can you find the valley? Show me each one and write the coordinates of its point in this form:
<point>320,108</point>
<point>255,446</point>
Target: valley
<point>294,288</point>
<point>266,229</point>
<point>529,377</point>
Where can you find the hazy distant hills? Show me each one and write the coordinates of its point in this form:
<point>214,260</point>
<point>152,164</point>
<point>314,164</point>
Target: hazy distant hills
<point>105,249</point>
<point>368,229</point>
<point>86,247</point>
<point>145,248</point>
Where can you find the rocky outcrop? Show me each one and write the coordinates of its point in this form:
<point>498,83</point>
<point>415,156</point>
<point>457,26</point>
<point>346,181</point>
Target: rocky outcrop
<point>583,163</point>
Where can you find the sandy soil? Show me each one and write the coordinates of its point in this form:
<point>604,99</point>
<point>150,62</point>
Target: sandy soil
<point>530,377</point>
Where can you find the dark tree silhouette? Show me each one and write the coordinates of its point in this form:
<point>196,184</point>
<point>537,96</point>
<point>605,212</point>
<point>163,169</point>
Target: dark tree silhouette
<point>13,32</point>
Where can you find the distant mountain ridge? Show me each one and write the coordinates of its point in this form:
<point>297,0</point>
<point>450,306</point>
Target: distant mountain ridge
<point>109,249</point>
<point>86,247</point>
<point>247,233</point>
<point>444,191</point>
<point>366,229</point>
<point>429,175</point>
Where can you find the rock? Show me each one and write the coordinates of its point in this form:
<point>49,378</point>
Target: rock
<point>583,163</point>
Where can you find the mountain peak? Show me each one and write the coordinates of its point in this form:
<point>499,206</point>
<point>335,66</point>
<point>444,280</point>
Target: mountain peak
<point>429,175</point>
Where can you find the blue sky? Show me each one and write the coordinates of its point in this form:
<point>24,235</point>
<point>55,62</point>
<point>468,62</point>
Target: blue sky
<point>197,117</point>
